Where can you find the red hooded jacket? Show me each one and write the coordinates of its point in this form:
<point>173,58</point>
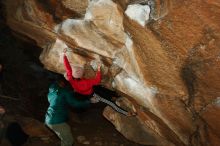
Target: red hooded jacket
<point>82,86</point>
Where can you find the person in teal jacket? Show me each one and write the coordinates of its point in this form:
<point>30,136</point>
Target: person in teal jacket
<point>60,97</point>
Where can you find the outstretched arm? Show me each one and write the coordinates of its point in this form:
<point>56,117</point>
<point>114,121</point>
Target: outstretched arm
<point>75,102</point>
<point>67,66</point>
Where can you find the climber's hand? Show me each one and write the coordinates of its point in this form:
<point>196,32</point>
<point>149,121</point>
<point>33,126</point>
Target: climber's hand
<point>99,66</point>
<point>94,100</point>
<point>131,113</point>
<point>65,76</point>
<point>64,50</point>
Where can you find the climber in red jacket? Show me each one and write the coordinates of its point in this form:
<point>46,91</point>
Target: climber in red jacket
<point>87,88</point>
<point>80,85</point>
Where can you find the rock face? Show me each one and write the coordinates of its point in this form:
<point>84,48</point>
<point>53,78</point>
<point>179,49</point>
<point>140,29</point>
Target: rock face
<point>168,68</point>
<point>37,131</point>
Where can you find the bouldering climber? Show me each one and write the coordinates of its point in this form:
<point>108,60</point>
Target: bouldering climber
<point>87,88</point>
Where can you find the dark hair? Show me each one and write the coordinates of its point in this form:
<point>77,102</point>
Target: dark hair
<point>60,78</point>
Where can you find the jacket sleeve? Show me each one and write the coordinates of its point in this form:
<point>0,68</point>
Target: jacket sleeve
<point>71,100</point>
<point>67,68</point>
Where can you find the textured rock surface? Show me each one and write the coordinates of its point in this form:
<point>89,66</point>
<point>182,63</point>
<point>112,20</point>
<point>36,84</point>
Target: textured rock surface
<point>170,66</point>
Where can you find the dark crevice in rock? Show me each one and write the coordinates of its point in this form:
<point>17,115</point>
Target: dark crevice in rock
<point>57,10</point>
<point>48,7</point>
<point>190,80</point>
<point>142,2</point>
<point>200,136</point>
